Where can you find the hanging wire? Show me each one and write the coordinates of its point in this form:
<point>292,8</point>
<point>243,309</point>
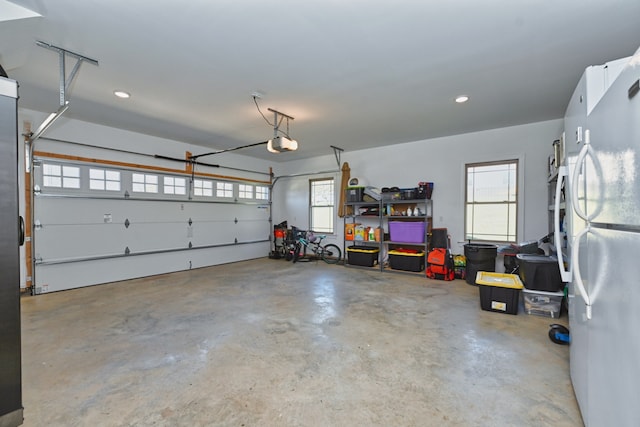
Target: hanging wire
<point>255,101</point>
<point>282,117</point>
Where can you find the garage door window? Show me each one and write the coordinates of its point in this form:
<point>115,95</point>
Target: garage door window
<point>174,185</point>
<point>262,193</point>
<point>144,183</point>
<point>224,189</point>
<point>60,176</point>
<point>202,187</point>
<point>104,180</point>
<point>245,191</point>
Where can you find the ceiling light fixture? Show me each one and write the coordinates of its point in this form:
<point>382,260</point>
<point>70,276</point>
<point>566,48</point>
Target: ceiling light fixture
<point>122,94</point>
<point>462,99</point>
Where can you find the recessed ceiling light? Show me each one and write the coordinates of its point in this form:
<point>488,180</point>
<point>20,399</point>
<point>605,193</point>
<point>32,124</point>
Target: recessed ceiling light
<point>121,94</point>
<point>462,98</point>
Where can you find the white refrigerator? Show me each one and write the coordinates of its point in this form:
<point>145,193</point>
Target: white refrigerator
<point>602,188</point>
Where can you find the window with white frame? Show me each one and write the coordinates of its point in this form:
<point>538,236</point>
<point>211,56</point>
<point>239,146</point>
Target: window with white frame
<point>492,201</point>
<point>224,189</point>
<point>104,180</point>
<point>174,185</point>
<point>60,176</point>
<point>245,191</point>
<point>202,187</point>
<point>262,192</point>
<point>144,183</point>
<point>321,205</point>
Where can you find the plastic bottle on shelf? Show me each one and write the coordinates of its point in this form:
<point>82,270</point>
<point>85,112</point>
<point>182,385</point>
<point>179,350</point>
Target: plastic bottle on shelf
<point>377,234</point>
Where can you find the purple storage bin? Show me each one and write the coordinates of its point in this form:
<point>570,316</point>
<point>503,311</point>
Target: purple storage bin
<point>405,231</point>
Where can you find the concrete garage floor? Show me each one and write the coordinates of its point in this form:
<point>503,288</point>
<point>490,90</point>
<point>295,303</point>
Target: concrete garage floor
<point>271,343</point>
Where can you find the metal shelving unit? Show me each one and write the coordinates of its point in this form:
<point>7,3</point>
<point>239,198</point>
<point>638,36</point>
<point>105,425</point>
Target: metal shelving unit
<point>389,210</point>
<point>398,210</point>
<point>355,217</point>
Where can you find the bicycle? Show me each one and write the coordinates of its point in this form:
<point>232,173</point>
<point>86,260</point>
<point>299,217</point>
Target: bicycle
<point>329,253</point>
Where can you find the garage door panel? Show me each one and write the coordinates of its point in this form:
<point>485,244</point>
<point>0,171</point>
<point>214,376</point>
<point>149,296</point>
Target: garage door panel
<point>157,236</point>
<point>75,241</point>
<point>214,233</point>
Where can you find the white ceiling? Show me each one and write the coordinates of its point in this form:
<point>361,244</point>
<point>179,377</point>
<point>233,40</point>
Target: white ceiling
<point>353,73</point>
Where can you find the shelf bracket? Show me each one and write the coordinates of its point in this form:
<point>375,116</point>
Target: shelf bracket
<point>336,152</point>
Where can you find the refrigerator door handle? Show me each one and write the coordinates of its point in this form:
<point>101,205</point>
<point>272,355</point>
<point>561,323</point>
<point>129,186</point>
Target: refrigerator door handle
<point>577,277</point>
<point>557,236</point>
<point>575,203</point>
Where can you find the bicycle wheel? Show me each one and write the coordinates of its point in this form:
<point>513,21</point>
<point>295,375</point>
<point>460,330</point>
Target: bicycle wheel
<point>331,254</point>
<point>296,252</point>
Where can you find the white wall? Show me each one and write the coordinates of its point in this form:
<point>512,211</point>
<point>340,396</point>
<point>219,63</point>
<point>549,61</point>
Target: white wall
<point>441,161</point>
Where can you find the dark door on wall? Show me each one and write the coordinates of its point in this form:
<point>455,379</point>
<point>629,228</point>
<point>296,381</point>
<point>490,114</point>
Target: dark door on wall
<point>10,240</point>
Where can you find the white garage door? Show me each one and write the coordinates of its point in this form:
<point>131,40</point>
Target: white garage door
<point>95,224</point>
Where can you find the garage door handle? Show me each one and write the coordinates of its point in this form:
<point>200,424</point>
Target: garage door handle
<point>20,231</point>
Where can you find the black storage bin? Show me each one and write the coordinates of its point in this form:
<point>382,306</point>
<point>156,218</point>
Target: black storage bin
<point>399,260</point>
<point>365,256</point>
<point>508,299</point>
<point>480,257</point>
<point>539,272</point>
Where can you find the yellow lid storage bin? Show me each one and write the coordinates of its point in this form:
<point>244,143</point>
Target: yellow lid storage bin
<point>499,292</point>
<point>365,256</point>
<point>407,261</point>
